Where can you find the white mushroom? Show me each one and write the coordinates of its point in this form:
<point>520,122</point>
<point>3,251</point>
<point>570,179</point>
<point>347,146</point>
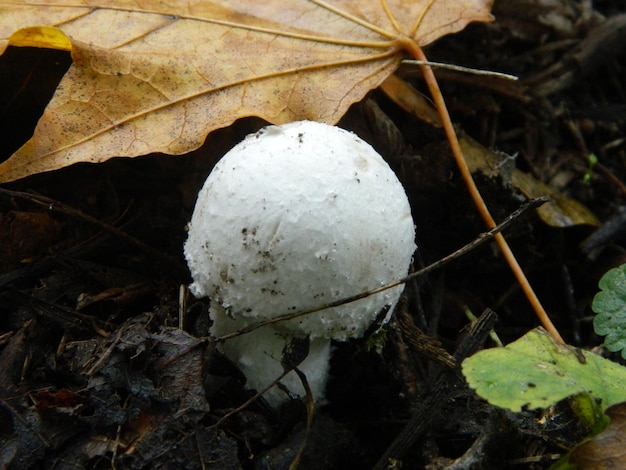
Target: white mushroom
<point>294,217</point>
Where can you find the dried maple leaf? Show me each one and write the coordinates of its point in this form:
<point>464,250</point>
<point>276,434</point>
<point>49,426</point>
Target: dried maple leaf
<point>151,76</point>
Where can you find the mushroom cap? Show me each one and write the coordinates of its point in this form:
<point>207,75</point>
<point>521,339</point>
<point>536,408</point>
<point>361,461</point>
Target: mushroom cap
<point>294,217</point>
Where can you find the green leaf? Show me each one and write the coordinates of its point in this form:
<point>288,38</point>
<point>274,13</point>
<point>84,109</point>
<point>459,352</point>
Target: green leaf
<point>537,372</point>
<point>610,307</point>
<point>589,412</point>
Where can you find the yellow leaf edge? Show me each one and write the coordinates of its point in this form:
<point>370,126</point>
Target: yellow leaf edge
<point>46,37</point>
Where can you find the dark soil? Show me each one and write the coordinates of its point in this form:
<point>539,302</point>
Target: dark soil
<point>96,371</point>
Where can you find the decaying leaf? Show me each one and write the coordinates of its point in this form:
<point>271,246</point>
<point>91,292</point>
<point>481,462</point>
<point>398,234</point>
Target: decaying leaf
<point>560,211</point>
<point>606,450</point>
<point>24,235</point>
<point>409,99</point>
<point>158,77</point>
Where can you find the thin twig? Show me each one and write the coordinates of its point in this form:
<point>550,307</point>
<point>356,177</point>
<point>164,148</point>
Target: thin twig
<point>479,202</point>
<point>61,208</point>
<point>249,401</point>
<point>482,238</point>
<point>459,68</point>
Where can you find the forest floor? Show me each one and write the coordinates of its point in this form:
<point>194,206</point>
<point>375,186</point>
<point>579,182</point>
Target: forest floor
<point>95,371</point>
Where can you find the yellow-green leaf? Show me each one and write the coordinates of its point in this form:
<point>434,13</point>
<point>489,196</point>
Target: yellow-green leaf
<point>536,371</point>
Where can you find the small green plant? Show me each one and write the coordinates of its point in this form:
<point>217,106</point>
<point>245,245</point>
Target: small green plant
<point>376,341</point>
<point>610,307</point>
<point>536,372</point>
<point>592,159</point>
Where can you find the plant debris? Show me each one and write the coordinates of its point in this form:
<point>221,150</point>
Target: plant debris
<point>103,363</point>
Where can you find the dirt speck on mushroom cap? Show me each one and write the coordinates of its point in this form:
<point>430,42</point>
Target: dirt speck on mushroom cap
<point>297,216</point>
